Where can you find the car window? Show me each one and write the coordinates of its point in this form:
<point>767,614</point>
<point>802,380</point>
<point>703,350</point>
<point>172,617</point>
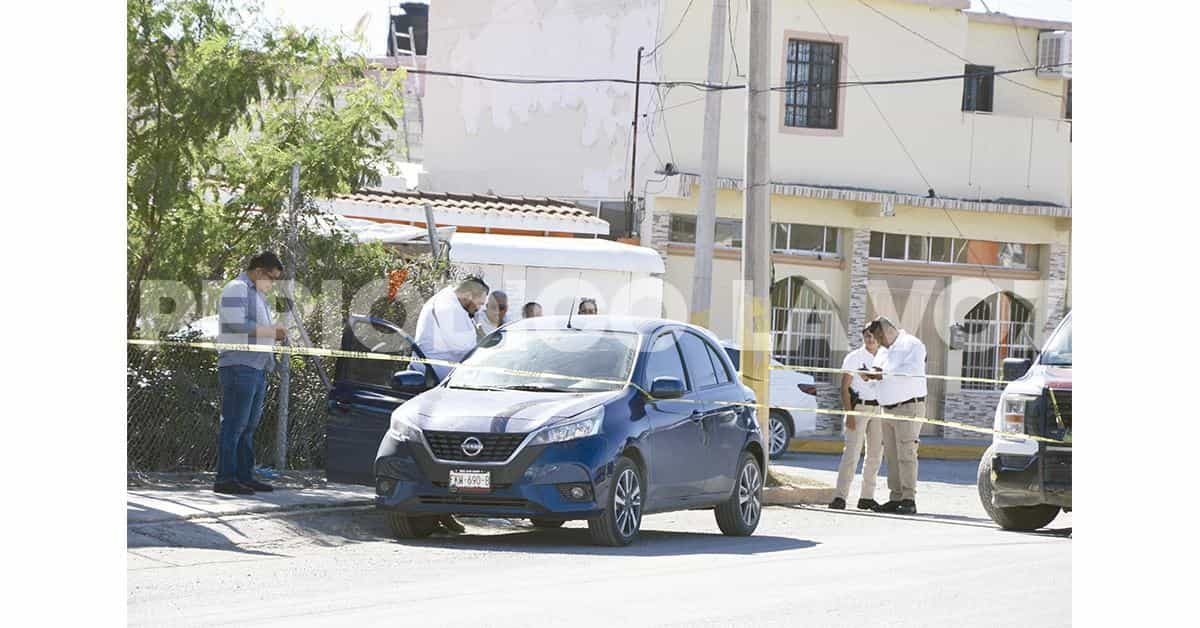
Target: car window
<point>695,357</point>
<point>663,360</point>
<point>530,359</point>
<point>735,356</point>
<point>723,375</point>
<point>367,336</point>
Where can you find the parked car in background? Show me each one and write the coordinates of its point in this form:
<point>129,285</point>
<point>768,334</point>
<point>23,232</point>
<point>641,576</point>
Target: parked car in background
<point>498,437</point>
<point>793,390</point>
<point>1024,483</point>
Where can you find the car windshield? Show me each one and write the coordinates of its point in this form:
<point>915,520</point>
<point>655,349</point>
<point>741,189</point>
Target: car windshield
<point>1058,350</point>
<point>600,355</point>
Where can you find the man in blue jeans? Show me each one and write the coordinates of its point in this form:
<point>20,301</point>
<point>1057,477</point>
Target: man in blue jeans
<point>245,318</point>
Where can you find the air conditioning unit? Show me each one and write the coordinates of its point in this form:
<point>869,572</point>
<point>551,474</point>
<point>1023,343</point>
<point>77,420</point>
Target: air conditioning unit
<point>1054,54</point>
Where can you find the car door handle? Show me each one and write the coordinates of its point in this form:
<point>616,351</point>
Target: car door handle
<point>697,415</point>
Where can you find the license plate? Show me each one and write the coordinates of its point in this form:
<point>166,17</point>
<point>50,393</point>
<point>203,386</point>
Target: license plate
<point>470,480</point>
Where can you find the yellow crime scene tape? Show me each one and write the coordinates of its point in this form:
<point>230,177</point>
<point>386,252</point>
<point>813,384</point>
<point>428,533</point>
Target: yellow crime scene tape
<point>363,355</point>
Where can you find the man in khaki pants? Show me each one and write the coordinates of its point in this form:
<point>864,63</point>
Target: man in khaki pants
<point>901,389</point>
<point>860,428</point>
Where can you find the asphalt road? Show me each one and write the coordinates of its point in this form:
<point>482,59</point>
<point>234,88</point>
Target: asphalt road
<point>948,566</point>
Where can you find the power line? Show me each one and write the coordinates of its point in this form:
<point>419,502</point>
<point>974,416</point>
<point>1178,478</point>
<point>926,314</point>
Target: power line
<point>737,70</point>
<point>941,47</point>
<point>673,31</point>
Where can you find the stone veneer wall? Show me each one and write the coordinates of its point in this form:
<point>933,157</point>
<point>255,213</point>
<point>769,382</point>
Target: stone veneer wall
<point>1056,285</point>
<point>973,407</point>
<point>829,396</point>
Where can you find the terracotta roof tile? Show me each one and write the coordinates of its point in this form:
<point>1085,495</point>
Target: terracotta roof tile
<point>473,203</point>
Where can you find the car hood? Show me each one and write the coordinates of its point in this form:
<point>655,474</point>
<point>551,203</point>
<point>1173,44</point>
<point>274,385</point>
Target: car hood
<point>499,411</point>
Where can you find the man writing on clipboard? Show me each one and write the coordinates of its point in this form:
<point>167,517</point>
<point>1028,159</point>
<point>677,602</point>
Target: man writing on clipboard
<point>900,371</point>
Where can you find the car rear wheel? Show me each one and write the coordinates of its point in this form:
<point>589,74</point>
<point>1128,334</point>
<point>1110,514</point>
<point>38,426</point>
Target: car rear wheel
<point>408,527</point>
<point>547,523</point>
<point>781,434</point>
<point>739,515</point>
<point>1021,518</point>
<point>618,525</point>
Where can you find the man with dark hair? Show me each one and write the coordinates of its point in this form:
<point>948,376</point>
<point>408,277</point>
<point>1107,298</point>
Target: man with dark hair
<point>533,309</point>
<point>245,318</point>
<point>900,372</point>
<point>860,395</point>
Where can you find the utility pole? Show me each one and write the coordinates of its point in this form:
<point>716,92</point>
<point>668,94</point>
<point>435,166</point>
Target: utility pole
<point>756,224</point>
<point>710,153</point>
<point>285,366</point>
<point>631,204</point>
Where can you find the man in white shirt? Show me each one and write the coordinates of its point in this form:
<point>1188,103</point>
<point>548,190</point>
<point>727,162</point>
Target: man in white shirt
<point>446,324</point>
<point>901,392</point>
<point>495,314</point>
<point>859,395</point>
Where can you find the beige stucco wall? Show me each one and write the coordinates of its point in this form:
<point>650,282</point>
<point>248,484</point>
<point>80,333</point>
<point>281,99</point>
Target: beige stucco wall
<point>1008,46</point>
<point>1006,155</point>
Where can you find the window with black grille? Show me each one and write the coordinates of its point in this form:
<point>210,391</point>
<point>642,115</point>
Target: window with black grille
<point>978,81</point>
<point>812,84</point>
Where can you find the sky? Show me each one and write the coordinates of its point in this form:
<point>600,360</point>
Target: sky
<point>335,15</point>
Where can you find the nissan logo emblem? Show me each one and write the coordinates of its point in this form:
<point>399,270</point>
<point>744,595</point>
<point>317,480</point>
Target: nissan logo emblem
<point>472,446</point>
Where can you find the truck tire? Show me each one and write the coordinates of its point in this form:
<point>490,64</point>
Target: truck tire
<point>407,527</point>
<point>1021,518</point>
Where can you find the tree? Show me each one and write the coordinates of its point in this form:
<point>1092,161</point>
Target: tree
<point>220,104</point>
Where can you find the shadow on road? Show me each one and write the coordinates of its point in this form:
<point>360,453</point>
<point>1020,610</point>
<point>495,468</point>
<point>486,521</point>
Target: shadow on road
<point>649,543</point>
<point>167,530</point>
<point>929,470</point>
<point>954,520</point>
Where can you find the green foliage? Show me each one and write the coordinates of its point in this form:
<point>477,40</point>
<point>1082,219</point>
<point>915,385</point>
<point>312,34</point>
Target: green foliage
<point>220,105</point>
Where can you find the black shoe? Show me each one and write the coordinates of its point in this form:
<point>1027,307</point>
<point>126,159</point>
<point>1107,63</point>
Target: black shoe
<point>232,488</point>
<point>259,487</point>
<point>907,507</point>
<point>837,504</point>
<point>452,525</point>
<point>867,504</point>
<point>890,506</point>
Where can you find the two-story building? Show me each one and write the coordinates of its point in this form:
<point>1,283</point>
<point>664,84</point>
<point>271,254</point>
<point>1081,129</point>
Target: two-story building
<point>944,203</point>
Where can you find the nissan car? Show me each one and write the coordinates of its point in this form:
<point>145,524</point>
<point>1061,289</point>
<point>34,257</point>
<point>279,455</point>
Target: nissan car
<point>593,418</point>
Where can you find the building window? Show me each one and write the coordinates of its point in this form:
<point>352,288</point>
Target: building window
<point>812,80</point>
<point>936,250</point>
<point>798,239</point>
<point>801,325</point>
<point>998,327</point>
<point>977,87</point>
<point>727,231</point>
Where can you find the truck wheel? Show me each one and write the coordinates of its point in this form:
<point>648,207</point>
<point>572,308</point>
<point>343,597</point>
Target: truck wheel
<point>406,527</point>
<point>618,525</point>
<point>781,434</point>
<point>1022,518</point>
<point>739,515</point>
<point>547,523</point>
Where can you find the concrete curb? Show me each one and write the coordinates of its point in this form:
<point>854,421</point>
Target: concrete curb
<point>929,451</point>
<point>796,489</point>
<point>149,507</point>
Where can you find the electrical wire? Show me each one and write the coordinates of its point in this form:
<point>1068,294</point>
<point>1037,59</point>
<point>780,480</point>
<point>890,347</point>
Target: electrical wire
<point>737,70</point>
<point>673,31</point>
<point>948,50</point>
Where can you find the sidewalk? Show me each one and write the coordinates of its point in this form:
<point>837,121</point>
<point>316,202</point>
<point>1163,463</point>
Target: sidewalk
<point>930,449</point>
<point>151,506</point>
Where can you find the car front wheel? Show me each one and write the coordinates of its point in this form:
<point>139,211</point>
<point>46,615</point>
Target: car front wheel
<point>781,434</point>
<point>618,525</point>
<point>739,515</point>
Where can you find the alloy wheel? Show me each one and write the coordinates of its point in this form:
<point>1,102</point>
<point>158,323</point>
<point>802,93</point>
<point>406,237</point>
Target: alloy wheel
<point>627,502</point>
<point>779,436</point>
<point>749,496</point>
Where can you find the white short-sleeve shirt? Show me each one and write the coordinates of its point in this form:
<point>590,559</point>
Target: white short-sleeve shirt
<point>861,360</point>
<point>906,356</point>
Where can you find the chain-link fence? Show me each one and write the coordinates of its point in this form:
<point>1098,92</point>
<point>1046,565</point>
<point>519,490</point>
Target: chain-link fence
<point>174,410</point>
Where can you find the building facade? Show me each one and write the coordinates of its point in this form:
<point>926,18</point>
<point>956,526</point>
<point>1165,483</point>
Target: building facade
<point>944,204</point>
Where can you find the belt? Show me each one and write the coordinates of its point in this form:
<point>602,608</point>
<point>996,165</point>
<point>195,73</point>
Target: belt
<point>897,405</point>
<point>868,402</point>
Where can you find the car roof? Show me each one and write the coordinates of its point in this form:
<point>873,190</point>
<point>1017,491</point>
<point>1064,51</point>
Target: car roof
<point>635,324</point>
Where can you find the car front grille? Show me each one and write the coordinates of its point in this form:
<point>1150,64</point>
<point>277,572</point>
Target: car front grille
<point>1056,467</point>
<point>496,447</point>
<point>1061,400</point>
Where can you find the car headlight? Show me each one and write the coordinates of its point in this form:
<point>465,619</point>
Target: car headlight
<point>580,426</point>
<point>1011,418</point>
<point>403,430</point>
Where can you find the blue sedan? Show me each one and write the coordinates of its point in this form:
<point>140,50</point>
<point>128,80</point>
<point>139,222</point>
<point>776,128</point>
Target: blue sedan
<point>645,420</point>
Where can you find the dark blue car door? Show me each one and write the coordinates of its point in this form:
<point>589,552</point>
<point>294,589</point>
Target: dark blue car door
<point>675,432</point>
<point>362,399</point>
<point>717,452</point>
<point>728,435</point>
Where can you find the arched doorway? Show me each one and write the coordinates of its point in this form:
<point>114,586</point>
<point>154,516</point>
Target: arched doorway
<point>998,327</point>
<point>802,324</point>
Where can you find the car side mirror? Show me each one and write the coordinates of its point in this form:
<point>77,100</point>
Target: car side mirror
<point>411,382</point>
<point>666,388</point>
<point>1015,368</point>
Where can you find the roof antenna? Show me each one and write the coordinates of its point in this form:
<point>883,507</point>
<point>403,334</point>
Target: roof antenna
<point>571,312</point>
